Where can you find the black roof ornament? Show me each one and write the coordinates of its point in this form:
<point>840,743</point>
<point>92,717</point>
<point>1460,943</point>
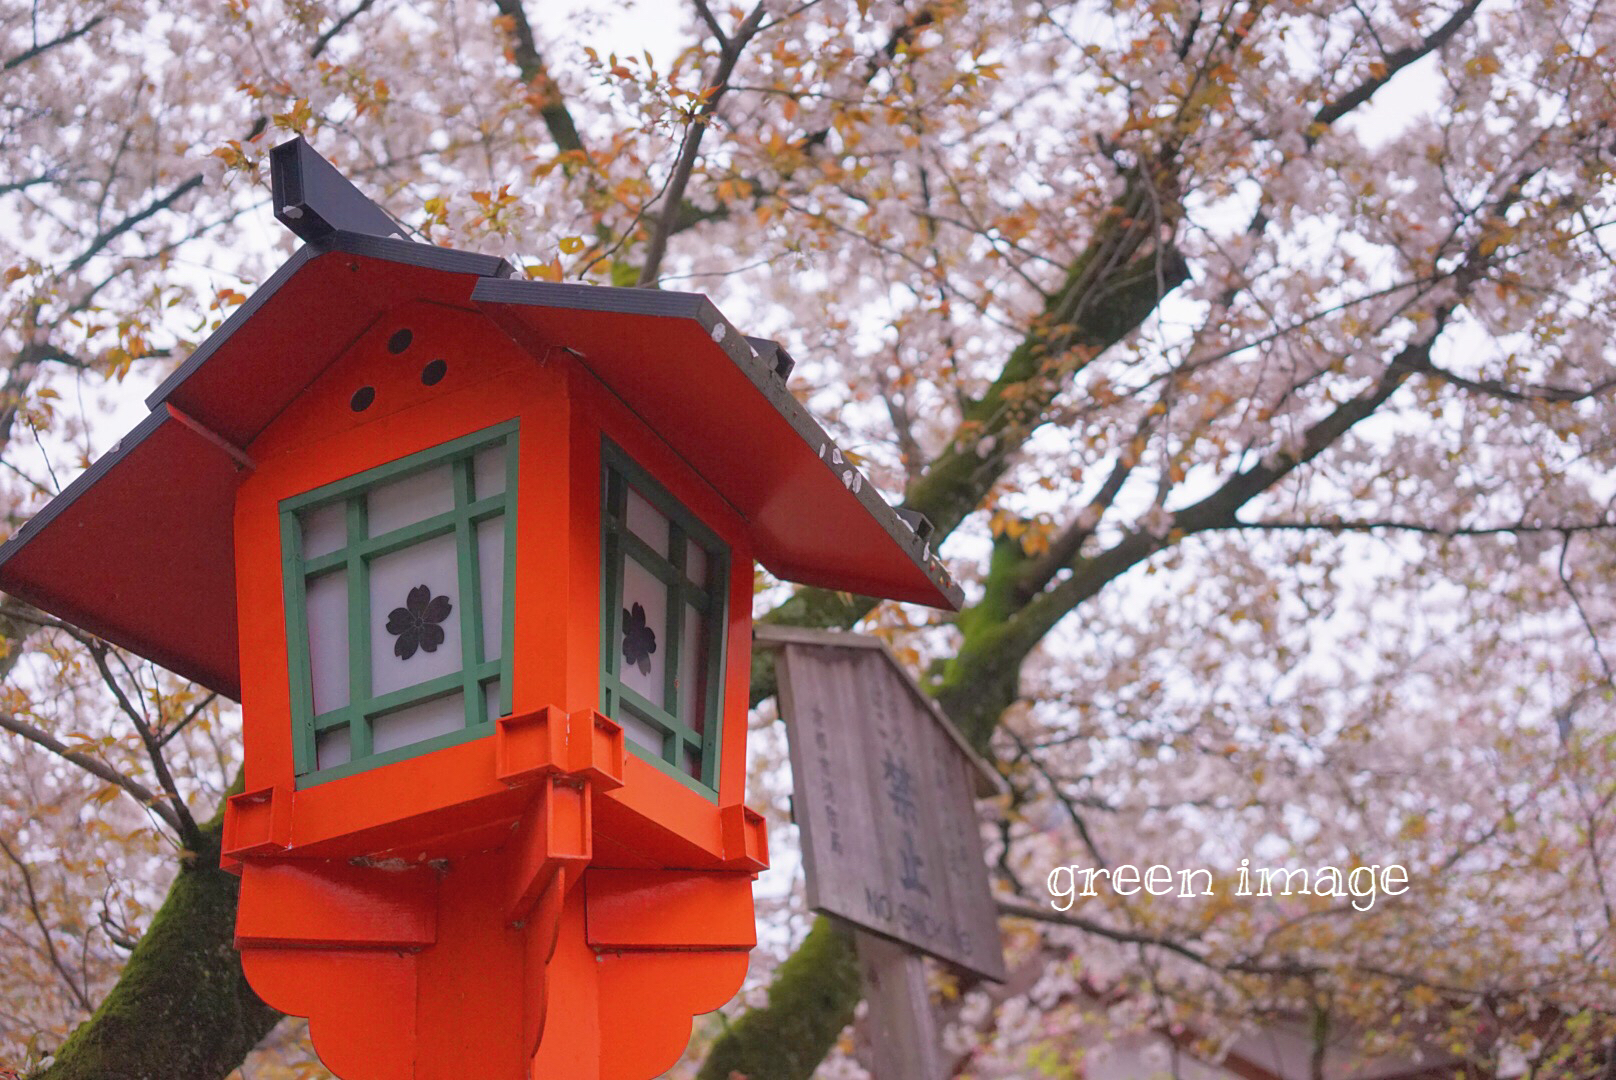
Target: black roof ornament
<point>774,354</point>
<point>314,200</point>
<point>919,523</point>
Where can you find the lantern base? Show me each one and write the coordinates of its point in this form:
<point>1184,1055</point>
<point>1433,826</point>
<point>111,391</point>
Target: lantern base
<point>483,997</point>
<point>456,967</point>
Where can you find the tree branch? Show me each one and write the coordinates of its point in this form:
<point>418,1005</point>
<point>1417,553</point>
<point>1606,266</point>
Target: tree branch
<point>338,27</point>
<point>1065,547</point>
<point>972,688</point>
<point>1394,63</point>
<point>106,236</point>
<point>706,14</point>
<point>1337,525</point>
<point>525,52</point>
<point>1023,909</point>
<point>148,799</point>
<point>1500,389</point>
<point>45,47</point>
<point>190,835</point>
<point>729,55</point>
<point>1582,612</point>
<point>44,929</point>
<point>185,721</point>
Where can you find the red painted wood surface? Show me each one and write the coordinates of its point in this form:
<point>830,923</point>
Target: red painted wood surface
<point>801,501</point>
<point>432,917</point>
<point>669,909</point>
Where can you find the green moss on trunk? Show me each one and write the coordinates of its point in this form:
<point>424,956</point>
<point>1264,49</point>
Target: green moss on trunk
<point>811,1000</point>
<point>182,1007</point>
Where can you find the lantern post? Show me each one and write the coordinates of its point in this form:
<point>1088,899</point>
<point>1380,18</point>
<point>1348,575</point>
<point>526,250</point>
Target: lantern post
<point>475,554</point>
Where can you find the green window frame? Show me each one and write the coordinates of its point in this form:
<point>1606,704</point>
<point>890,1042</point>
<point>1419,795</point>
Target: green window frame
<point>689,744</point>
<point>484,677</point>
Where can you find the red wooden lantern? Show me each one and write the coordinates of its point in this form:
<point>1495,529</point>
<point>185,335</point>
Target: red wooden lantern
<point>475,554</point>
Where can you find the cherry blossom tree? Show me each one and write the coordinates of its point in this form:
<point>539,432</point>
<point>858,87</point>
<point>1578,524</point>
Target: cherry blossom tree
<point>1251,359</point>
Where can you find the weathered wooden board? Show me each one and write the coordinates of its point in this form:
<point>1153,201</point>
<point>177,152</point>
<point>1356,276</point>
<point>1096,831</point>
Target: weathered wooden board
<point>884,799</point>
<point>903,1042</point>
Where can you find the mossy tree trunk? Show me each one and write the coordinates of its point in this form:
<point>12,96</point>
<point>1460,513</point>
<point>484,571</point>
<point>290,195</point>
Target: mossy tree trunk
<point>182,1007</point>
<point>774,1041</point>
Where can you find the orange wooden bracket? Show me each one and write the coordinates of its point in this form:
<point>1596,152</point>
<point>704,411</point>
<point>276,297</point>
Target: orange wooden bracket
<point>563,756</point>
<point>543,934</point>
<point>582,743</point>
<point>652,910</point>
<point>255,823</point>
<point>553,835</point>
<point>746,838</point>
<point>335,905</point>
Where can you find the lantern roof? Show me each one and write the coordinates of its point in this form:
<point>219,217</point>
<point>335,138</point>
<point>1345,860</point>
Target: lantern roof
<point>139,549</point>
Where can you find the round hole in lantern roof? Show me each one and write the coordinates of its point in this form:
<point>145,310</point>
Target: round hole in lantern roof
<point>433,373</point>
<point>362,398</point>
<point>399,341</point>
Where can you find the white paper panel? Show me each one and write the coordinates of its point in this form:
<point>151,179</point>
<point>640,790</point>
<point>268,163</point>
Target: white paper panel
<point>418,723</point>
<point>332,748</point>
<point>492,694</point>
<point>414,498</point>
<point>325,604</point>
<point>640,732</point>
<point>488,472</point>
<point>491,572</point>
<point>432,564</point>
<point>648,676</point>
<point>325,529</point>
<point>692,669</point>
<point>696,563</point>
<point>647,522</point>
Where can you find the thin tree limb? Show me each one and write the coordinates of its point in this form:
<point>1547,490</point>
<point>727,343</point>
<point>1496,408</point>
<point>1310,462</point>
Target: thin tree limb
<point>1335,525</point>
<point>150,800</point>
<point>707,17</point>
<point>46,46</point>
<point>106,236</point>
<point>1582,612</point>
<point>338,27</point>
<point>190,834</point>
<point>729,55</point>
<point>185,721</point>
<point>530,62</point>
<point>44,929</point>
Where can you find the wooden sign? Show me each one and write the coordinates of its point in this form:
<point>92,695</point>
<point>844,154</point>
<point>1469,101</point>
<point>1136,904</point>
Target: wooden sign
<point>885,791</point>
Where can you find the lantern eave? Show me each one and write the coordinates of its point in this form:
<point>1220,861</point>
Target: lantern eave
<point>722,404</point>
<point>162,498</point>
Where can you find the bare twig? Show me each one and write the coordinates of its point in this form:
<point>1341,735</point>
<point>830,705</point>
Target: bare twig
<point>729,55</point>
<point>46,46</point>
<point>98,650</point>
<point>150,800</point>
<point>44,929</point>
<point>338,27</point>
